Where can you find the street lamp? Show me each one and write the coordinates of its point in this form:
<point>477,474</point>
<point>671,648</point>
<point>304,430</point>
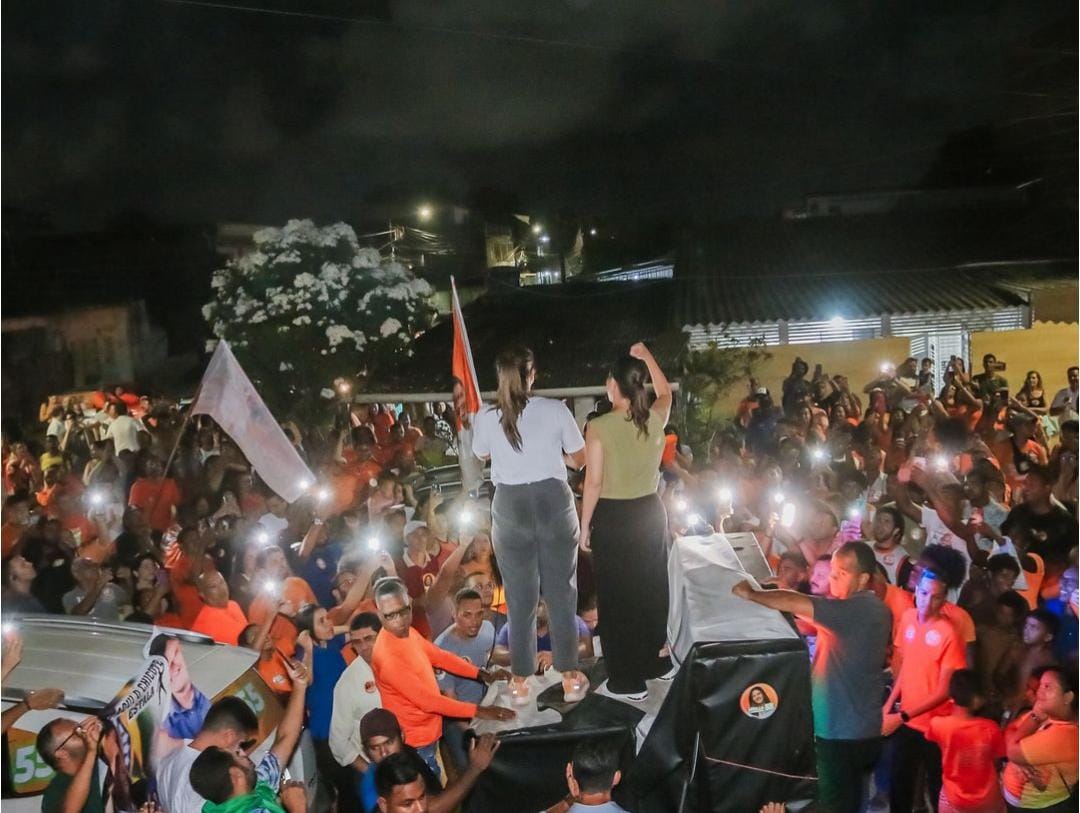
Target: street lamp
<point>425,212</point>
<point>537,228</point>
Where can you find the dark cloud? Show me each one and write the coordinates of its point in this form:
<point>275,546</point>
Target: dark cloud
<point>186,111</point>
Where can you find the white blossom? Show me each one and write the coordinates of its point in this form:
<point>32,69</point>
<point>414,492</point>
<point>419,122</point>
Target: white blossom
<point>284,367</point>
<point>389,327</point>
<point>302,320</point>
<point>304,280</point>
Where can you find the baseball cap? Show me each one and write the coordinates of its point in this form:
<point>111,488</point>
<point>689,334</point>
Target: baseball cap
<point>415,525</point>
<point>379,723</point>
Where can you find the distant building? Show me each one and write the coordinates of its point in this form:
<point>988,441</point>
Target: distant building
<point>80,349</point>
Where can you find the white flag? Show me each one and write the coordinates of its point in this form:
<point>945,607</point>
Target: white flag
<point>228,396</point>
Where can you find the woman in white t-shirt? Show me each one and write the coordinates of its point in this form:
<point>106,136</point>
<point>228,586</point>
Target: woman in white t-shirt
<point>534,523</point>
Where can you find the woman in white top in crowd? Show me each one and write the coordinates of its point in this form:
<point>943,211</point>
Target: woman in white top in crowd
<point>534,530</point>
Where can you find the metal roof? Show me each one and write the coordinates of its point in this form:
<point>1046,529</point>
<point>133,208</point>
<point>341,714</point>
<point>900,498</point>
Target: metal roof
<point>726,300</point>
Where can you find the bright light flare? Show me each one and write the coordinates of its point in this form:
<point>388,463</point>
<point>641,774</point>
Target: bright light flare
<point>724,494</point>
<point>271,587</point>
<point>425,212</point>
<point>373,543</point>
<point>681,505</point>
<point>787,515</point>
<point>778,497</point>
<point>941,462</point>
<point>693,520</point>
<point>262,537</point>
<point>323,494</point>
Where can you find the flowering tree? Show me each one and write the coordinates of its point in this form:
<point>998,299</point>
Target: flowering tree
<point>309,305</point>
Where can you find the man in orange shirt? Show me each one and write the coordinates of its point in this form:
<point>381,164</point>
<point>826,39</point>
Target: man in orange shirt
<point>930,652</point>
<point>278,593</point>
<point>1020,451</point>
<point>156,495</point>
<point>404,664</point>
<point>220,618</point>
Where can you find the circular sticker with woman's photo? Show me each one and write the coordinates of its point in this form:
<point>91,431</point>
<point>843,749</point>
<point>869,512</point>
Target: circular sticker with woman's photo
<point>759,701</point>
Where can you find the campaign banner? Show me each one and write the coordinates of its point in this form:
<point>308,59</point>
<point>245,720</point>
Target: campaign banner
<point>149,717</point>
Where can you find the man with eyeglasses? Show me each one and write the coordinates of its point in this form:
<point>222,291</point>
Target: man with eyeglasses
<point>404,664</point>
<point>71,749</point>
<point>232,727</point>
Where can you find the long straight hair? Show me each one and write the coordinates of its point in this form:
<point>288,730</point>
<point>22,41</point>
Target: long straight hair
<point>630,375</point>
<point>513,366</point>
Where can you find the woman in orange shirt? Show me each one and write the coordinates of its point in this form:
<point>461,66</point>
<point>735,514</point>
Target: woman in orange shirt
<point>1042,748</point>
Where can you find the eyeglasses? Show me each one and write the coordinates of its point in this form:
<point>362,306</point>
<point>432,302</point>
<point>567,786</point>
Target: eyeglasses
<point>404,611</point>
<point>76,730</point>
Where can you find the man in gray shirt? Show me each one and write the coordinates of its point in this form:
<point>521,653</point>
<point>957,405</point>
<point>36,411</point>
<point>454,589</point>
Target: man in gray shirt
<point>470,637</point>
<point>94,595</point>
<point>854,627</point>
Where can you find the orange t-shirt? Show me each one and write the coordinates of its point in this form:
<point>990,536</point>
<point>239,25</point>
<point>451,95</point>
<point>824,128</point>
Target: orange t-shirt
<point>970,747</point>
<point>144,495</point>
<point>405,674</point>
<point>926,649</point>
<point>223,624</point>
<point>898,601</point>
<point>1052,752</point>
<point>97,550</point>
<point>81,528</point>
<point>960,619</point>
<point>10,533</point>
<point>339,619</point>
<point>185,595</point>
<point>1005,456</point>
<point>282,631</point>
<point>382,423</point>
<point>667,457</point>
<point>272,671</point>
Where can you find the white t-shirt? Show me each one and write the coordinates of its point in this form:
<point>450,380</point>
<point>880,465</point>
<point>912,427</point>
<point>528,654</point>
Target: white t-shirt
<point>547,430</point>
<point>355,694</point>
<point>1066,398</point>
<point>56,429</point>
<point>891,560</point>
<point>124,431</point>
<point>174,782</point>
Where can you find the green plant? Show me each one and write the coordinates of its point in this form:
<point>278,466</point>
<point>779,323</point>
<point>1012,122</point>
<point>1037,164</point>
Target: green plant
<point>707,376</point>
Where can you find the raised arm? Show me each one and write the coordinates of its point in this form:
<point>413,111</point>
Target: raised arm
<point>292,723</point>
<point>659,381</point>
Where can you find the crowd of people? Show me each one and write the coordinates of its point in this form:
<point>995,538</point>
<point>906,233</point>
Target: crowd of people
<point>925,543</point>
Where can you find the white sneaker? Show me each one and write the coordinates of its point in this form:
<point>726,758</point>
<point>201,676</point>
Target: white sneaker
<point>634,697</point>
<point>669,675</point>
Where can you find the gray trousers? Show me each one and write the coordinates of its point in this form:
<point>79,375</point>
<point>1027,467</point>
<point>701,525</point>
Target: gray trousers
<point>534,529</point>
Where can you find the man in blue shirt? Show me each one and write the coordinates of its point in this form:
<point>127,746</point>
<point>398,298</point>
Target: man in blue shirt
<point>471,638</point>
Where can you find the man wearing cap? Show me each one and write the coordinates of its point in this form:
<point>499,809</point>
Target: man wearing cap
<point>382,738</point>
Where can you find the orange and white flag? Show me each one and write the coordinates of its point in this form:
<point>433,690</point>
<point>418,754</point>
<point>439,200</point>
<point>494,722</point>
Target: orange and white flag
<point>462,361</point>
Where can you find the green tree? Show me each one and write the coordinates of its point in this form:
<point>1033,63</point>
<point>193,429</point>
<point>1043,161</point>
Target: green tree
<point>708,375</point>
<point>310,305</point>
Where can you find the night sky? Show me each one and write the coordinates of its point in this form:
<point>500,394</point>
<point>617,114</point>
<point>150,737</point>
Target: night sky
<point>190,112</point>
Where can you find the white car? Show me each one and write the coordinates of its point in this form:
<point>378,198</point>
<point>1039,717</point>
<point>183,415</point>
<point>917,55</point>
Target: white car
<point>91,661</point>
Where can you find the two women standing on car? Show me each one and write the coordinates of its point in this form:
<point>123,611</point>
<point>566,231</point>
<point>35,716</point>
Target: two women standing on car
<point>535,530</point>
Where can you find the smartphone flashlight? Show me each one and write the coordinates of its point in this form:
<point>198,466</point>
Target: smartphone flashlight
<point>787,515</point>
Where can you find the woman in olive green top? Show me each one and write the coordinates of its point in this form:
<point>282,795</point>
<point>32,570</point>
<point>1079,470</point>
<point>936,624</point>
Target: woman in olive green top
<point>624,524</point>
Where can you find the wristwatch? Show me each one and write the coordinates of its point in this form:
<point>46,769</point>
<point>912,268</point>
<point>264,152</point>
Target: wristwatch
<point>905,717</point>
